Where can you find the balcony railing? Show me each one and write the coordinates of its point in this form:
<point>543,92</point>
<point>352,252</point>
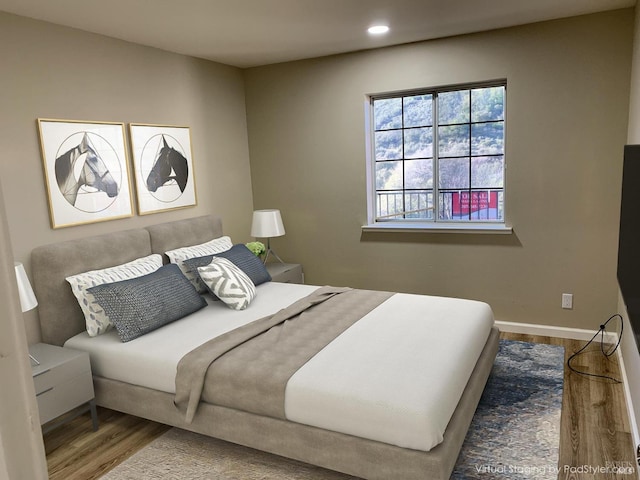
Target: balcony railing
<point>454,204</point>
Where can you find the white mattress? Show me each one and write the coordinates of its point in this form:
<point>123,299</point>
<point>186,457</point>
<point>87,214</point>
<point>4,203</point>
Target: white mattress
<point>395,376</point>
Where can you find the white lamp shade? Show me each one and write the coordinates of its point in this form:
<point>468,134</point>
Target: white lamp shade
<point>266,224</point>
<point>27,297</point>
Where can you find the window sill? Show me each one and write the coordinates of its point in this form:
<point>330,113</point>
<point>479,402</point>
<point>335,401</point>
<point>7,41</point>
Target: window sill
<point>477,228</point>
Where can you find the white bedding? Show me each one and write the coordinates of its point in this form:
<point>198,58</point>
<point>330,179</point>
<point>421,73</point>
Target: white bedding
<point>392,376</point>
<point>151,360</point>
<point>395,376</point>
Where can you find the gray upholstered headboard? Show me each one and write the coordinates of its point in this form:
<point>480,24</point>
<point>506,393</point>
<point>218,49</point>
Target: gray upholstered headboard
<point>59,313</point>
<point>183,233</point>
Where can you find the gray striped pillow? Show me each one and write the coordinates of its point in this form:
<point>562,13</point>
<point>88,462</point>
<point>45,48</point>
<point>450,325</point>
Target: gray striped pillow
<point>96,319</point>
<point>228,282</point>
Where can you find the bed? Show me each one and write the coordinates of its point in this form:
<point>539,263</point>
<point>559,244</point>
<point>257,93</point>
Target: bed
<point>311,428</point>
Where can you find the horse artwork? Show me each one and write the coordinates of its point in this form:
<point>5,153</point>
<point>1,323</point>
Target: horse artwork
<point>170,166</point>
<point>82,167</point>
<point>164,169</point>
<point>86,171</point>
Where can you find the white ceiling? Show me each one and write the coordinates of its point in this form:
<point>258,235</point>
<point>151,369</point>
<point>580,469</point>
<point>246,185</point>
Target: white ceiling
<point>248,33</point>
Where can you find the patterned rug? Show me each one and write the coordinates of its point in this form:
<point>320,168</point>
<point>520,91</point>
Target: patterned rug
<point>514,434</point>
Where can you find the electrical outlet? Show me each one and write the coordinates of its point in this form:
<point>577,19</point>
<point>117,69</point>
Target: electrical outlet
<point>567,301</point>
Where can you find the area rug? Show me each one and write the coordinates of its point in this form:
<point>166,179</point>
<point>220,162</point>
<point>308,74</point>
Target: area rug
<point>514,434</point>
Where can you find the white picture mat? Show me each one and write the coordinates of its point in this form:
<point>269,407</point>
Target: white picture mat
<point>90,204</point>
<point>147,144</point>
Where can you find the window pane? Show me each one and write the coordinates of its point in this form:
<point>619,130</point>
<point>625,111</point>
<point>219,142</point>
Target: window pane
<point>418,174</point>
<point>418,143</point>
<point>387,113</point>
<point>487,104</point>
<point>453,141</point>
<point>487,139</point>
<point>419,205</point>
<point>418,111</point>
<point>446,206</point>
<point>388,145</point>
<point>388,175</point>
<point>468,146</point>
<point>389,203</point>
<point>453,107</point>
<point>454,173</point>
<point>471,205</point>
<point>487,172</point>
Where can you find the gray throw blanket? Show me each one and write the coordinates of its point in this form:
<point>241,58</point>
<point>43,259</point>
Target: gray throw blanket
<point>248,368</point>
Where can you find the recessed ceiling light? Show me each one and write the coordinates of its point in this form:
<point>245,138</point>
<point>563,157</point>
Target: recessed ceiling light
<point>378,29</point>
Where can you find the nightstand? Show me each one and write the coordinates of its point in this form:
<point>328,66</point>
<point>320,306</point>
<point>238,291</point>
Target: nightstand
<point>285,272</point>
<point>63,383</point>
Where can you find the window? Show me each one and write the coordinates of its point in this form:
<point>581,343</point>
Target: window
<point>437,156</point>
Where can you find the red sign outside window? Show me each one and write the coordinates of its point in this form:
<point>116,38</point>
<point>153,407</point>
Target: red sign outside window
<point>475,205</point>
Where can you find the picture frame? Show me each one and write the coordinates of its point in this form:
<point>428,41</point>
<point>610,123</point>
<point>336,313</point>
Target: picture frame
<point>86,171</point>
<point>163,167</point>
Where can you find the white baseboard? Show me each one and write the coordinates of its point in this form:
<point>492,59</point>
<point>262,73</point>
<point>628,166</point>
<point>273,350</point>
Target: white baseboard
<point>552,331</point>
<point>629,400</point>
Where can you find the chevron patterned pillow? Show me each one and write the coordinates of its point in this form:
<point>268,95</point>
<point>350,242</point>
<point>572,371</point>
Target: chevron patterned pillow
<point>228,282</point>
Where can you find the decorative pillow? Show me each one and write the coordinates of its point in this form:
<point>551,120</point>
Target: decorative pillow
<point>241,257</point>
<point>96,319</point>
<point>179,255</point>
<point>140,305</point>
<point>228,283</point>
<point>190,270</point>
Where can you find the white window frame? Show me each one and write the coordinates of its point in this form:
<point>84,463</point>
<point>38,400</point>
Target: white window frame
<point>435,225</point>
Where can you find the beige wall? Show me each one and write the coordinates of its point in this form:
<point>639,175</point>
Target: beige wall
<point>21,448</point>
<point>633,133</point>
<point>56,72</point>
<point>567,103</point>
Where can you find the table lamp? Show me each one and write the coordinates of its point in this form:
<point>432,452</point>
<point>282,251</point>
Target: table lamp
<point>27,297</point>
<point>267,224</point>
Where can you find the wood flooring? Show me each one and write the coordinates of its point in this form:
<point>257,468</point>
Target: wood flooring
<point>594,429</point>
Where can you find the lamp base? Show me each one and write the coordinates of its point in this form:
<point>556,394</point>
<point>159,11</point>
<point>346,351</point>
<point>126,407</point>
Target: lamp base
<point>271,252</point>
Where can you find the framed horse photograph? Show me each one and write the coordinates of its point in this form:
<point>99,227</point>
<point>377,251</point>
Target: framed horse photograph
<point>86,171</point>
<point>163,167</point>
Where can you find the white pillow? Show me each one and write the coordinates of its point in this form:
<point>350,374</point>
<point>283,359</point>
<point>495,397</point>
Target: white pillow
<point>179,255</point>
<point>96,319</point>
<point>228,282</point>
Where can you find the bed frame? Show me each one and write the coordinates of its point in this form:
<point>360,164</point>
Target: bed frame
<point>61,318</point>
